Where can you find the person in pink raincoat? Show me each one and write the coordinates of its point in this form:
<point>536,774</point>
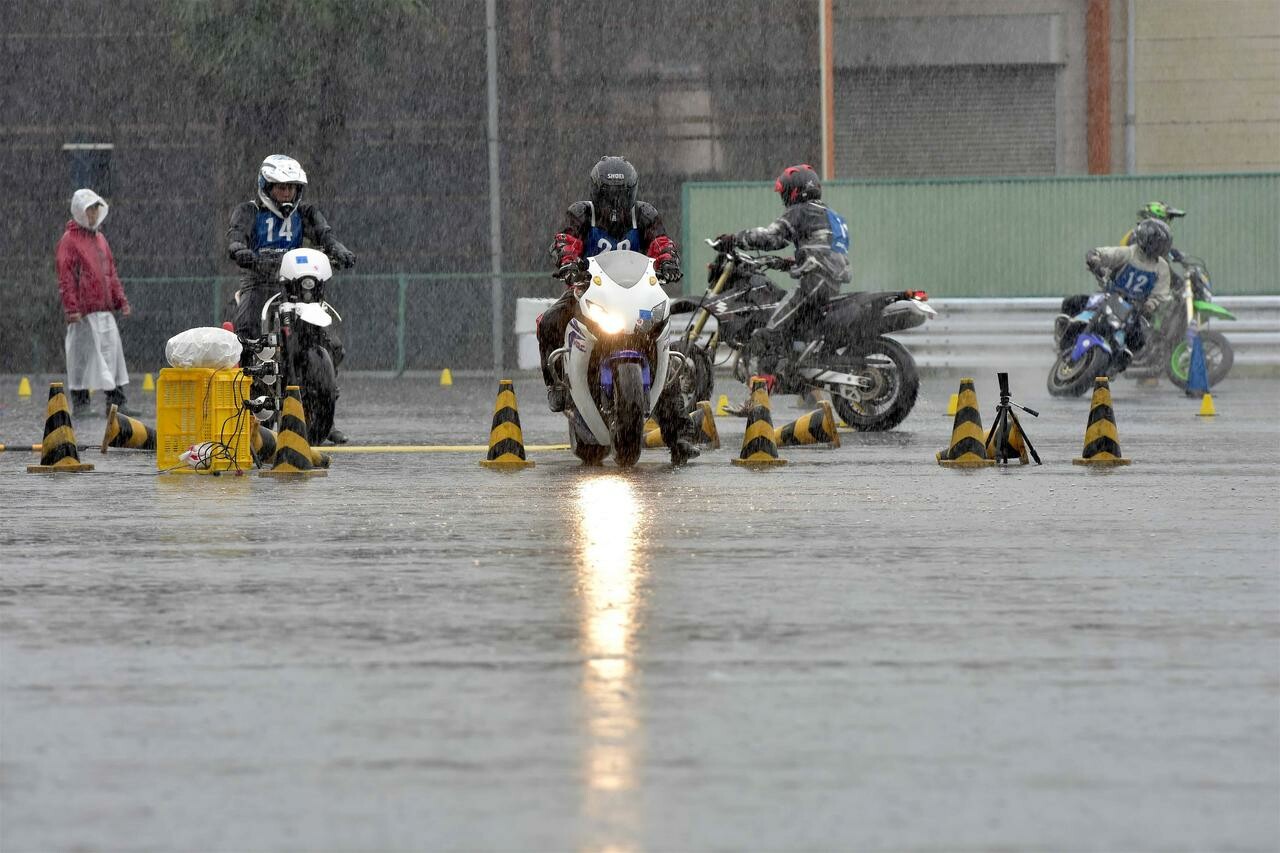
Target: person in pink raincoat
<point>91,291</point>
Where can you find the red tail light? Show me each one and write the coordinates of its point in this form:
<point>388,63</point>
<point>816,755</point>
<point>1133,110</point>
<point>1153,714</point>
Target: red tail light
<point>918,295</point>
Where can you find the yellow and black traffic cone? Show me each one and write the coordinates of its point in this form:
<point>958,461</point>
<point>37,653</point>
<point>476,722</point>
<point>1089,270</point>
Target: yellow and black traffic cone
<point>1101,441</point>
<point>952,404</point>
<point>293,453</point>
<point>262,444</point>
<point>968,446</point>
<point>705,433</point>
<point>759,449</point>
<point>760,382</point>
<point>817,427</point>
<point>124,431</point>
<point>705,423</point>
<point>506,441</point>
<point>1015,445</point>
<point>58,453</point>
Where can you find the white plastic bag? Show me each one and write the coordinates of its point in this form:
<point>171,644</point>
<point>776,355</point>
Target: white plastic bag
<point>203,347</point>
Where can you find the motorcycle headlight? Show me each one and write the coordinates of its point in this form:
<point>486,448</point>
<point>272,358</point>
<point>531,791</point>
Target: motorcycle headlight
<point>607,321</point>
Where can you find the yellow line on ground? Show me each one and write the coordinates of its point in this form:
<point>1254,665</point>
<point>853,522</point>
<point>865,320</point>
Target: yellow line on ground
<point>428,448</point>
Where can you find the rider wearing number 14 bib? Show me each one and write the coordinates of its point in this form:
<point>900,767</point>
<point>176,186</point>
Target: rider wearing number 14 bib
<point>279,220</point>
<point>613,219</point>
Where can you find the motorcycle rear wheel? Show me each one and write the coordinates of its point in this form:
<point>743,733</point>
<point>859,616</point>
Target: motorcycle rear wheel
<point>319,382</point>
<point>628,413</point>
<point>1068,379</point>
<point>1218,358</point>
<point>896,385</point>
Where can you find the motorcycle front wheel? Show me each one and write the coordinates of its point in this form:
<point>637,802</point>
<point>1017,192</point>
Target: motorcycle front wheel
<point>628,413</point>
<point>895,385</point>
<point>1218,358</point>
<point>1071,379</point>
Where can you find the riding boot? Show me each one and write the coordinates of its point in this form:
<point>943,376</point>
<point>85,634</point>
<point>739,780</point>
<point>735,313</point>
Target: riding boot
<point>80,405</point>
<point>116,396</point>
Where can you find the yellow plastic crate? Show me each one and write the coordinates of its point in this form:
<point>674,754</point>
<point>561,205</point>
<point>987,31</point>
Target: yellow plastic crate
<point>195,405</point>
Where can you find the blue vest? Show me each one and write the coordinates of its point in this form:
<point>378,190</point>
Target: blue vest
<point>272,232</point>
<point>598,240</point>
<point>839,232</point>
<point>1136,284</point>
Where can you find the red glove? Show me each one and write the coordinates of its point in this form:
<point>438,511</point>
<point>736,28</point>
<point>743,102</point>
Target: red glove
<point>662,249</point>
<point>567,249</point>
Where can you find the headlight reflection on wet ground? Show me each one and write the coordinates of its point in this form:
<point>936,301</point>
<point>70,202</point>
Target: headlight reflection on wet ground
<point>611,519</point>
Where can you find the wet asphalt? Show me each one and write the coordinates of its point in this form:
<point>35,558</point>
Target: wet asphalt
<point>859,651</point>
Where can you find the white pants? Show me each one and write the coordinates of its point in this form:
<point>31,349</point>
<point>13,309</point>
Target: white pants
<point>95,356</point>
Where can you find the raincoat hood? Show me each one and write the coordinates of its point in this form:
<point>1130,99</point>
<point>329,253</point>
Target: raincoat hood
<point>81,201</point>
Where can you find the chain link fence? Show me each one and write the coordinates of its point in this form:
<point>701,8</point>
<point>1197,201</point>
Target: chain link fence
<point>393,322</point>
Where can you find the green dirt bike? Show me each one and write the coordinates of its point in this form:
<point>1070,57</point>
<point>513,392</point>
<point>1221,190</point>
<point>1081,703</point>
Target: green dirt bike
<point>1167,350</point>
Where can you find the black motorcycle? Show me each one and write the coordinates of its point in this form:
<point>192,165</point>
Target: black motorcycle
<point>872,378</point>
<point>294,348</point>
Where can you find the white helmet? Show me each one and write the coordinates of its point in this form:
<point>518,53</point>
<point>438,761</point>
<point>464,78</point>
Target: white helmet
<point>279,169</point>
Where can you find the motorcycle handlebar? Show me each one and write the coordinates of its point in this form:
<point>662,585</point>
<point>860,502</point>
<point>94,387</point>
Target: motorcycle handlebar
<point>768,262</point>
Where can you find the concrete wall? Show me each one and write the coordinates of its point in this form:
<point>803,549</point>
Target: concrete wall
<point>1207,85</point>
<point>1069,45</point>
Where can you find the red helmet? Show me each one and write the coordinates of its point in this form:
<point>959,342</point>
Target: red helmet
<point>797,184</point>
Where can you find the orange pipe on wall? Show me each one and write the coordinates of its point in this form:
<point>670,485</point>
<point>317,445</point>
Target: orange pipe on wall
<point>1098,72</point>
<point>828,89</point>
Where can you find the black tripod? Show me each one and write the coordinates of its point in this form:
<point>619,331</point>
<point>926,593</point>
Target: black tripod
<point>999,446</point>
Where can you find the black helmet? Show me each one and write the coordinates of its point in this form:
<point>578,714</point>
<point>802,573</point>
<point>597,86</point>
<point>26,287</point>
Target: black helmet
<point>797,184</point>
<point>613,189</point>
<point>1153,238</point>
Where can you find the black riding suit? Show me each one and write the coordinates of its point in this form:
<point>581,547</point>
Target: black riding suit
<point>582,237</point>
<point>254,227</point>
<point>821,266</point>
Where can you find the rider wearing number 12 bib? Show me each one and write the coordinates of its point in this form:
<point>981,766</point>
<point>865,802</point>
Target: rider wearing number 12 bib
<point>1138,271</point>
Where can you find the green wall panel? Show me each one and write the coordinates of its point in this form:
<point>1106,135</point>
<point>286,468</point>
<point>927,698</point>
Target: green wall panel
<point>1015,237</point>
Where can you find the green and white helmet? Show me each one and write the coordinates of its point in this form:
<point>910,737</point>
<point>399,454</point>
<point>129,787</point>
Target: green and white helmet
<point>1159,210</point>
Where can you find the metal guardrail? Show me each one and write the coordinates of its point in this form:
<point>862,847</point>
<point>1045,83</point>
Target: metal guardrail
<point>999,332</point>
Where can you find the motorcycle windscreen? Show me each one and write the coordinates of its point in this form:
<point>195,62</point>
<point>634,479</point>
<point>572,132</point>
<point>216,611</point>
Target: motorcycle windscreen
<point>626,269</point>
<point>313,313</point>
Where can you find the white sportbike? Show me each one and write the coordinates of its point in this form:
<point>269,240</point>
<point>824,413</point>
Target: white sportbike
<point>616,365</point>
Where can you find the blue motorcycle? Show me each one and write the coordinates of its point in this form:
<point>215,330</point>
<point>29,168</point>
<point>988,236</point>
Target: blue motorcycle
<point>1093,344</point>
